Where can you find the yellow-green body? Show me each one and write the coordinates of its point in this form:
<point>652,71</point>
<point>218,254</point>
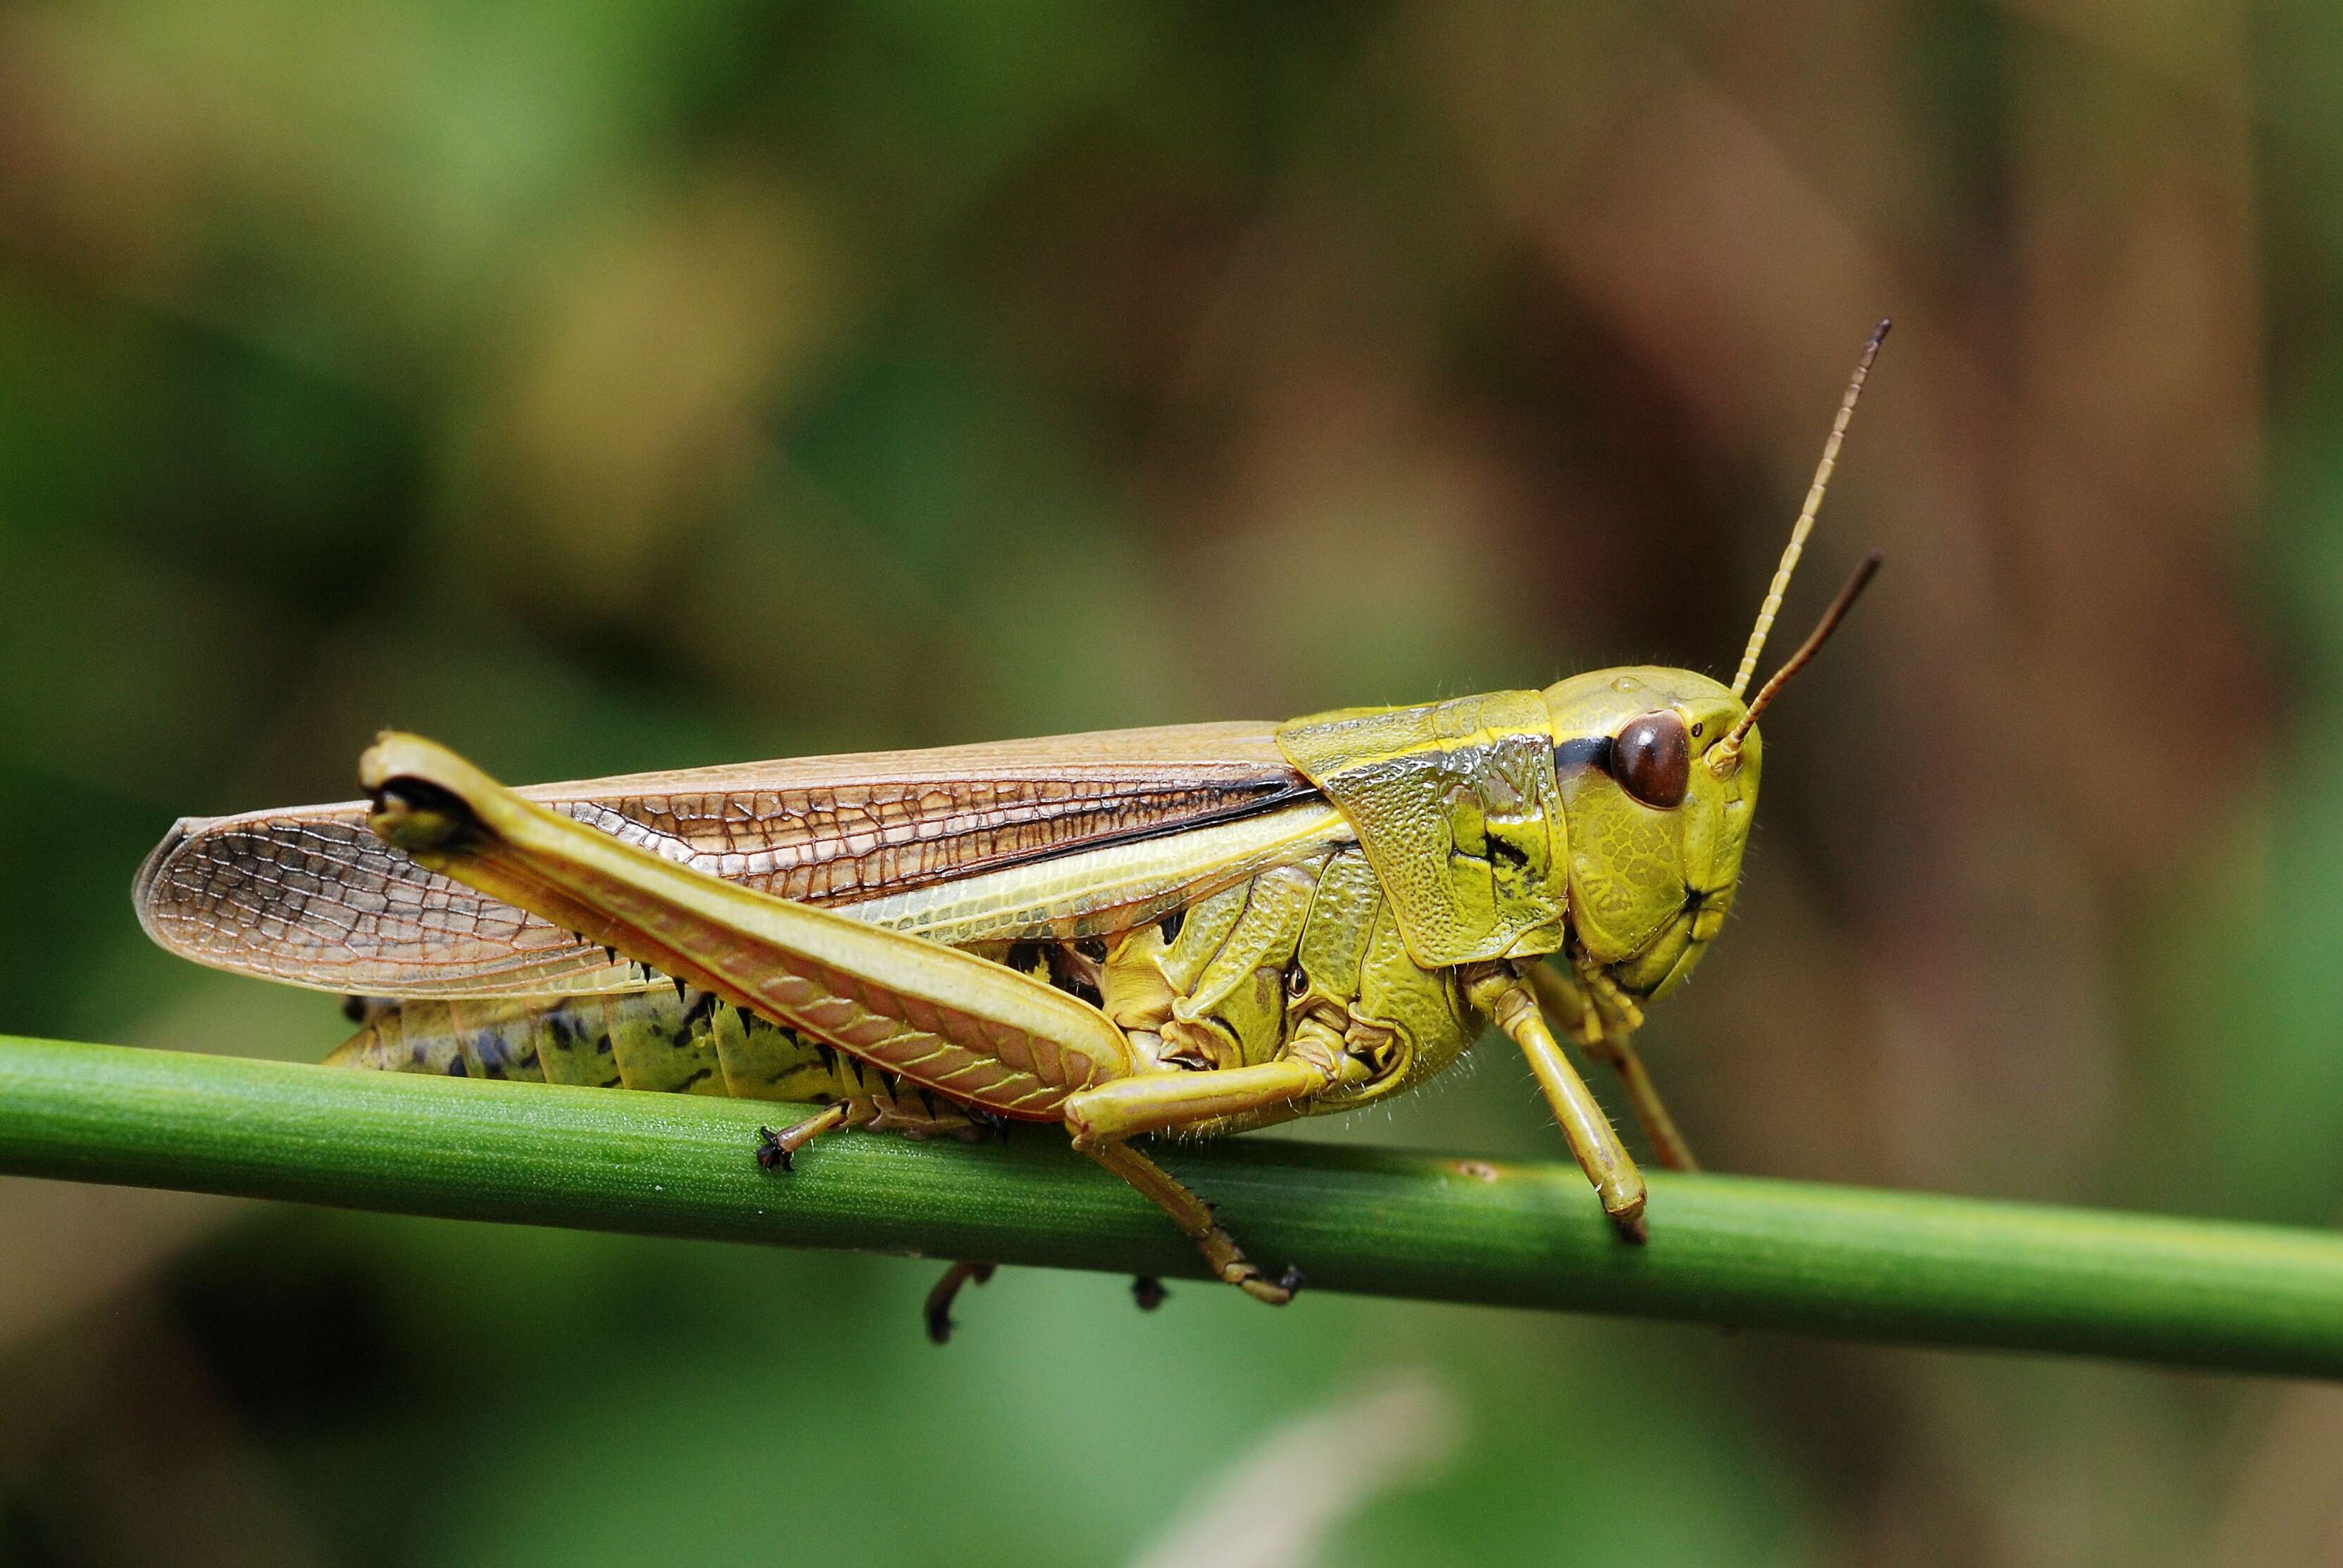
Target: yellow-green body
<point>1191,931</point>
<point>1454,840</point>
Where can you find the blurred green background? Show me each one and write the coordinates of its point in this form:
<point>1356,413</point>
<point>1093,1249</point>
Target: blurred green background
<point>612,385</point>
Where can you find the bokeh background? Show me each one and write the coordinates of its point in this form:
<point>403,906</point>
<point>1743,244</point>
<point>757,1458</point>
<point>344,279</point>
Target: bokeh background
<point>616,385</point>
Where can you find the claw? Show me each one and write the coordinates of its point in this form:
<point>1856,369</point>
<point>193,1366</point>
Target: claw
<point>1262,1288</point>
<point>937,1308</point>
<point>772,1154</point>
<point>1147,1291</point>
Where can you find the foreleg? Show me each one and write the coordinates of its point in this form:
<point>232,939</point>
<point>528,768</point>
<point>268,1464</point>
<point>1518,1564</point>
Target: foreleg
<point>1512,1007</point>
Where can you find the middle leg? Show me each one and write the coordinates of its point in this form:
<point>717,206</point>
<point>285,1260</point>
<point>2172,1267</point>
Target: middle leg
<point>1196,1221</point>
<point>1101,1119</point>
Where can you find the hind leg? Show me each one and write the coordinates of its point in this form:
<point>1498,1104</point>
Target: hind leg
<point>938,1310</point>
<point>778,1150</point>
<point>883,1107</point>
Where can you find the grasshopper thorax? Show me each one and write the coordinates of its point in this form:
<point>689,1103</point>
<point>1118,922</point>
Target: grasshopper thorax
<point>1655,833</point>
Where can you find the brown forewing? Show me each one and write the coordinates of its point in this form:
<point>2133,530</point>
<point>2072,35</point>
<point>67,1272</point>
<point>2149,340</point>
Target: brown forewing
<point>309,895</point>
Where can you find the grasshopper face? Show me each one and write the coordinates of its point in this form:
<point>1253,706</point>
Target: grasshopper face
<point>1656,833</point>
<point>1656,770</point>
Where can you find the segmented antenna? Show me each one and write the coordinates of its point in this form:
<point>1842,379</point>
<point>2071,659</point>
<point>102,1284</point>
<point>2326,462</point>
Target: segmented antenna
<point>1724,759</point>
<point>1805,523</point>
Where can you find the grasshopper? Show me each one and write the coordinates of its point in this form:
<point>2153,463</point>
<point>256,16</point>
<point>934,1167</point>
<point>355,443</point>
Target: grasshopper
<point>1193,930</point>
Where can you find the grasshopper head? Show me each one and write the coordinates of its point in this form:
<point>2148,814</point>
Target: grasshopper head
<point>1658,774</point>
<point>1658,818</point>
<point>1657,770</point>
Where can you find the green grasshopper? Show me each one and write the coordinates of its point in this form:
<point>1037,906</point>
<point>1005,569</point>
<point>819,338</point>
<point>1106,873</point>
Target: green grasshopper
<point>1193,930</point>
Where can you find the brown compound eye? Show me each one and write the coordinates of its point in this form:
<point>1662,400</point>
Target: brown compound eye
<point>1652,759</point>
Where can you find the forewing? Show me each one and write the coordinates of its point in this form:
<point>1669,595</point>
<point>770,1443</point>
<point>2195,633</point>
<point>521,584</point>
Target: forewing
<point>308,896</point>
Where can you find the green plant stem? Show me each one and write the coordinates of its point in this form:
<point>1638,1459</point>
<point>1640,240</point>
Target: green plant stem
<point>1724,1250</point>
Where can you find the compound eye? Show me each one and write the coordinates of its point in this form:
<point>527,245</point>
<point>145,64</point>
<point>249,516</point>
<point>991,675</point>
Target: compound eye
<point>1652,759</point>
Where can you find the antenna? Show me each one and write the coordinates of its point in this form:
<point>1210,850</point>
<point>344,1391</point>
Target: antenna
<point>1725,755</point>
<point>1805,523</point>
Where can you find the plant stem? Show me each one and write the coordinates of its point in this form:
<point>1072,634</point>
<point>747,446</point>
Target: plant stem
<point>1725,1250</point>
